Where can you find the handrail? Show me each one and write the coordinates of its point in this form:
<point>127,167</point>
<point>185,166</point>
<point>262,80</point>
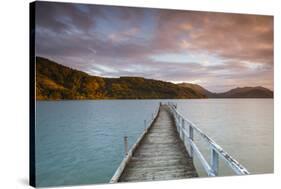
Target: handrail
<point>129,154</point>
<point>191,147</point>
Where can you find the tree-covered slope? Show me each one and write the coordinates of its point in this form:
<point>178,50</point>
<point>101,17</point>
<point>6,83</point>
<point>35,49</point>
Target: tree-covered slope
<point>55,81</point>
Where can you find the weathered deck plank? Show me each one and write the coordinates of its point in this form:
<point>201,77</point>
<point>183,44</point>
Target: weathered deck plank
<point>161,154</point>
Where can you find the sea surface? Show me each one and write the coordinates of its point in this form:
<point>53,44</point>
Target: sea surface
<point>82,142</point>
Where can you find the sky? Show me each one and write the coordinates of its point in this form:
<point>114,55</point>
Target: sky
<point>218,51</point>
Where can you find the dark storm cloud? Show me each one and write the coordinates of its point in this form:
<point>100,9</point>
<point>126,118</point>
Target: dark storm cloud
<point>69,29</point>
<point>62,17</point>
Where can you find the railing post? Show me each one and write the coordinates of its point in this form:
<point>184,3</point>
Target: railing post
<point>182,129</point>
<point>144,124</point>
<point>179,125</point>
<point>176,119</point>
<point>126,145</point>
<point>214,162</point>
<point>178,122</point>
<point>191,138</point>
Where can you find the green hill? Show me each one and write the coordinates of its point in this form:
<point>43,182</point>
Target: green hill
<point>55,81</point>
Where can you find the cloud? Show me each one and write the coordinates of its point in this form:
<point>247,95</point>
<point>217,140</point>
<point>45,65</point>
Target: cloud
<point>226,49</point>
<point>123,36</point>
<point>231,36</point>
<point>63,17</point>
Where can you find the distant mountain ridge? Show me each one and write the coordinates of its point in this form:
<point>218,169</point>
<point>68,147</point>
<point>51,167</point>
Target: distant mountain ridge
<point>239,92</point>
<point>247,92</point>
<point>55,81</point>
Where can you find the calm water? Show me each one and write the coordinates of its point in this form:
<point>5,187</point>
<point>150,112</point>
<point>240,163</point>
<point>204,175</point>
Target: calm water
<point>81,142</point>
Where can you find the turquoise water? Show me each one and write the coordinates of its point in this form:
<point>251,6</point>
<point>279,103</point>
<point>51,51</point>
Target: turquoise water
<point>81,142</point>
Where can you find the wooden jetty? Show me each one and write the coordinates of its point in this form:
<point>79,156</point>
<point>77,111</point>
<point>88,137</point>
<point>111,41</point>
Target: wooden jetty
<point>166,149</point>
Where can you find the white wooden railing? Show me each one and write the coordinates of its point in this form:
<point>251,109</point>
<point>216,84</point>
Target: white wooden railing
<point>186,131</point>
<point>129,153</point>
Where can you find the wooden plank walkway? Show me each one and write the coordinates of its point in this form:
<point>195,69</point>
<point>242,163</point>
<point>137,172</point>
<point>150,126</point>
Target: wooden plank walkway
<point>161,155</point>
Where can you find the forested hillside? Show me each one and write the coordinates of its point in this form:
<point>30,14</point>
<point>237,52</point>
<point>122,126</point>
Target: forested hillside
<point>55,81</point>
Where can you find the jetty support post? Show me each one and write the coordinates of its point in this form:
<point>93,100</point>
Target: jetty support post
<point>145,125</point>
<point>191,139</point>
<point>214,161</point>
<point>126,145</point>
<point>182,128</point>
